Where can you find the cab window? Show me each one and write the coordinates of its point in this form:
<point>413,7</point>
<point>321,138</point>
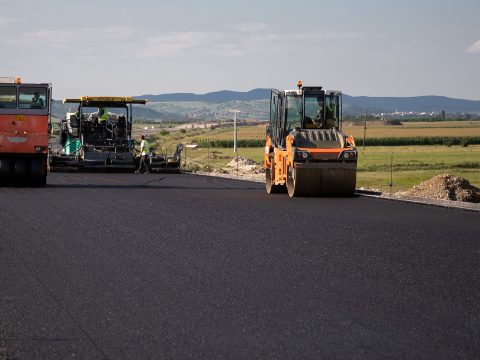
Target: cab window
<point>294,112</point>
<point>314,112</point>
<point>332,110</point>
<point>32,98</point>
<point>8,97</point>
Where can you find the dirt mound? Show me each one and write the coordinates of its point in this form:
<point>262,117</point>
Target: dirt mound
<point>445,187</point>
<point>245,165</point>
<point>242,161</point>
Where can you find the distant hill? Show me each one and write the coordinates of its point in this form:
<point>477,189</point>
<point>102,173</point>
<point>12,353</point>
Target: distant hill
<point>217,96</point>
<point>255,104</point>
<point>356,104</point>
<point>414,103</point>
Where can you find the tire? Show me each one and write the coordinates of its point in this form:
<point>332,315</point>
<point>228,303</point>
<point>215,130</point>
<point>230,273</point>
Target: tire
<point>20,172</point>
<point>298,184</point>
<point>291,182</point>
<point>269,182</point>
<point>38,172</point>
<point>5,171</point>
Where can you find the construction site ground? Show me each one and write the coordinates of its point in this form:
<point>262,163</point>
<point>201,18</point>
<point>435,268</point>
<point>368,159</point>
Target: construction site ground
<point>444,190</point>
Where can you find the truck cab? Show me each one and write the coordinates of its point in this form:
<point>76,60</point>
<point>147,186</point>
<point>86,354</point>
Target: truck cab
<point>24,127</point>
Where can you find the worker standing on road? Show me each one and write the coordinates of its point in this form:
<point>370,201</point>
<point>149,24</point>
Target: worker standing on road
<point>144,150</point>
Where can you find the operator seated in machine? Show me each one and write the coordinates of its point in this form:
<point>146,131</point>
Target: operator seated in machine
<point>314,117</point>
<point>103,115</point>
<point>37,101</point>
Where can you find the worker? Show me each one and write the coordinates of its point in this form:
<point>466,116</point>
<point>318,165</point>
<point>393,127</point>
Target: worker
<point>37,101</point>
<point>144,151</point>
<point>103,115</point>
<point>331,118</point>
<point>318,120</point>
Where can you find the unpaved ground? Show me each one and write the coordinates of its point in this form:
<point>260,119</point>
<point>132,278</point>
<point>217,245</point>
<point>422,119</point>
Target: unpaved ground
<point>441,187</point>
<point>444,187</point>
<point>244,167</point>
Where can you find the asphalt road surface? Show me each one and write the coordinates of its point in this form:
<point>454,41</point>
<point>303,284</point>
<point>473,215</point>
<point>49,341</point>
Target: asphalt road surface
<point>174,266</point>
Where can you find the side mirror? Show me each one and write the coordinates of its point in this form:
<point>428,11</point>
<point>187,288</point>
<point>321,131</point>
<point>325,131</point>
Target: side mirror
<point>268,130</point>
<point>50,128</point>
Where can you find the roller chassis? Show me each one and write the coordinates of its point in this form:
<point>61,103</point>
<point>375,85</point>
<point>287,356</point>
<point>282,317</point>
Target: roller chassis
<point>305,159</point>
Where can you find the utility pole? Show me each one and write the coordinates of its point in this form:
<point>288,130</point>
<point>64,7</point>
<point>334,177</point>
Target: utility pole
<point>235,131</point>
<point>235,149</point>
<point>365,129</point>
<point>391,174</point>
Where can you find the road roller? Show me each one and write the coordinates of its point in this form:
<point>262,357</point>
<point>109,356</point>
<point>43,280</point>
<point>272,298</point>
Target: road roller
<point>306,152</point>
<point>24,128</point>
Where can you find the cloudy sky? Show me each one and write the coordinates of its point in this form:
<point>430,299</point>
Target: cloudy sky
<point>119,47</point>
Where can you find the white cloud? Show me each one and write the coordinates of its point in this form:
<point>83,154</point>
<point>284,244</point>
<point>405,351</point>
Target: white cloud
<point>474,48</point>
<point>124,42</point>
<point>6,23</point>
<point>177,43</point>
<point>250,27</point>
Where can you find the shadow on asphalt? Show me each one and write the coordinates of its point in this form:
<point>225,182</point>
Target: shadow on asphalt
<point>145,186</point>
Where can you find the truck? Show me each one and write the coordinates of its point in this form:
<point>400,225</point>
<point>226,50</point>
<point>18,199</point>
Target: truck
<point>306,152</point>
<point>25,110</point>
<point>97,135</point>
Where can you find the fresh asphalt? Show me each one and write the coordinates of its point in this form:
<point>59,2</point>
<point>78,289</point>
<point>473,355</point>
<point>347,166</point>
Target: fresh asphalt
<point>177,266</point>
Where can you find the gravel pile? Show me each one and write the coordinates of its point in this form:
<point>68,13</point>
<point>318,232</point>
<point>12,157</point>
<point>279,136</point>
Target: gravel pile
<point>242,161</point>
<point>245,166</point>
<point>445,187</point>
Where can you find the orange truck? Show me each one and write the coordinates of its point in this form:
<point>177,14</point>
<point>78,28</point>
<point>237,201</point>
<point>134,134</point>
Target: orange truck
<point>24,127</point>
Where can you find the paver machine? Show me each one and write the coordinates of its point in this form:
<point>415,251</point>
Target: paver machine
<point>24,128</point>
<point>97,135</point>
<point>306,153</point>
<point>159,162</point>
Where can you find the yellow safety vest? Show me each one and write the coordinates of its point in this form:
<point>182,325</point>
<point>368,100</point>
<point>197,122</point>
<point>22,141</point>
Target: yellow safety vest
<point>146,147</point>
<point>104,116</point>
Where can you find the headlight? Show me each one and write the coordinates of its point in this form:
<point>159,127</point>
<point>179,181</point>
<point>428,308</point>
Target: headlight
<point>349,154</point>
<point>302,155</point>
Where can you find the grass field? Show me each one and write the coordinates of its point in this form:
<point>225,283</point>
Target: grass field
<point>378,166</point>
<point>412,129</point>
<point>409,129</point>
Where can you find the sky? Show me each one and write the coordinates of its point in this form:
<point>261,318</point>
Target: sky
<point>364,48</point>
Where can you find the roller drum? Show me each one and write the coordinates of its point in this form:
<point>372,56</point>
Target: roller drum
<point>322,180</point>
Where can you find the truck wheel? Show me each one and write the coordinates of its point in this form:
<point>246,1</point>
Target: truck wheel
<point>20,172</point>
<point>38,172</point>
<point>5,171</point>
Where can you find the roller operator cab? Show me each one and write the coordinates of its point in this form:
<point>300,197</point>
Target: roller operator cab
<point>24,128</point>
<point>96,135</point>
<point>306,153</point>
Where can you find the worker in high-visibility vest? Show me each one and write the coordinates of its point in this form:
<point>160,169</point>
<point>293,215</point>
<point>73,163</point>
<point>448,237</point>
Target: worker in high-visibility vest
<point>103,115</point>
<point>144,151</point>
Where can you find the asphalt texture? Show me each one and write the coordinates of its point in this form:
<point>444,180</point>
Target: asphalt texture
<point>178,266</point>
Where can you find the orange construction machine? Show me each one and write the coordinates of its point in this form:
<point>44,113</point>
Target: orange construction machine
<point>306,153</point>
<point>24,127</point>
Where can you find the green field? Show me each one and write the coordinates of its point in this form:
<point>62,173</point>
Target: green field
<point>410,165</point>
<point>409,129</point>
<point>406,166</point>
